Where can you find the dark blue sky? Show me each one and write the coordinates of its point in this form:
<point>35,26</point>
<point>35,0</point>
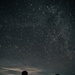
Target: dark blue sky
<point>37,36</point>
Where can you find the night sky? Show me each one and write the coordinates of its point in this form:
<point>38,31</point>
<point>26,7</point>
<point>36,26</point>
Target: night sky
<point>37,36</point>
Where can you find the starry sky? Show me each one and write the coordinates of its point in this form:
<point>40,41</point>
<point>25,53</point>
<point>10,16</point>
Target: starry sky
<point>37,36</point>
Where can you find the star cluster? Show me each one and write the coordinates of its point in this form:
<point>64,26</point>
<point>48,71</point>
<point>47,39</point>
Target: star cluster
<point>37,34</point>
